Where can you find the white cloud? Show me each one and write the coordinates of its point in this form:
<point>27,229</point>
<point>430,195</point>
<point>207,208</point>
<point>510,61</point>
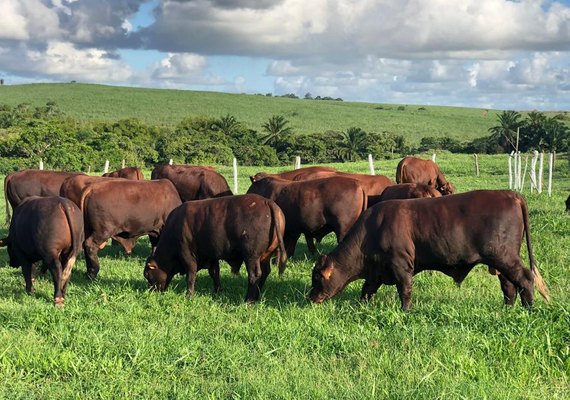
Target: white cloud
<point>184,68</point>
<point>27,20</point>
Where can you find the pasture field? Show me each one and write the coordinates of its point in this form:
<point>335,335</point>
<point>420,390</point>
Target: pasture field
<point>169,107</point>
<point>116,339</point>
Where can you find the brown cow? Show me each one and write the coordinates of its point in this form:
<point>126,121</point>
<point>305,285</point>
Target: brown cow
<point>30,182</point>
<point>132,173</point>
<point>307,173</point>
<point>193,182</point>
<point>396,239</point>
<point>73,187</point>
<point>246,228</point>
<point>124,208</point>
<point>416,170</point>
<point>404,191</point>
<point>314,208</point>
<point>48,229</point>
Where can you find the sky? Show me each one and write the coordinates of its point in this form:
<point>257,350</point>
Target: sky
<point>476,53</point>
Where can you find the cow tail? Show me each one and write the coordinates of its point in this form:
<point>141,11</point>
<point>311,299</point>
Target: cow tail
<point>400,172</point>
<point>6,181</point>
<point>538,281</point>
<point>76,242</point>
<point>364,200</point>
<point>281,253</point>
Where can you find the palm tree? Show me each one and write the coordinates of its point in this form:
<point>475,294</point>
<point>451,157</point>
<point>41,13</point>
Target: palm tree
<point>556,134</point>
<point>505,134</point>
<point>227,124</point>
<point>351,143</point>
<point>276,130</point>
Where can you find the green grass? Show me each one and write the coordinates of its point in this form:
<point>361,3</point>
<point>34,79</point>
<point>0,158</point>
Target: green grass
<point>115,339</point>
<point>168,107</point>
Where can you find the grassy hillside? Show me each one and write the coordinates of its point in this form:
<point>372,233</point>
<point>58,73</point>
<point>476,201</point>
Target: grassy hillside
<point>168,107</point>
<point>115,339</point>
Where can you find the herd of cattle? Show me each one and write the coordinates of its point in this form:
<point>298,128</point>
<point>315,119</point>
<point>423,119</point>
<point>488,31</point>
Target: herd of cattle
<point>386,231</point>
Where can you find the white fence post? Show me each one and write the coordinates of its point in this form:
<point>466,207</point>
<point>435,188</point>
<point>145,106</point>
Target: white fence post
<point>123,163</point>
<point>524,173</point>
<point>550,167</point>
<point>41,164</point>
<point>433,157</point>
<point>519,171</point>
<point>540,168</point>
<point>235,177</point>
<point>511,171</point>
<point>476,164</point>
<point>533,185</point>
<point>371,164</point>
<point>170,162</point>
<point>106,169</point>
<point>297,162</point>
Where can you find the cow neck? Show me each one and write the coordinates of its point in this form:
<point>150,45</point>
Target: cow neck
<point>348,256</point>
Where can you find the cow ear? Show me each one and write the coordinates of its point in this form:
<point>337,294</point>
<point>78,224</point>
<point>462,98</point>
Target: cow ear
<point>151,265</point>
<point>252,179</point>
<point>4,242</point>
<point>327,272</point>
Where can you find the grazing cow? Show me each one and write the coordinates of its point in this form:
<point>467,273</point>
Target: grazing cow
<point>193,182</point>
<point>73,187</point>
<point>416,170</point>
<point>48,229</point>
<point>568,204</point>
<point>29,182</point>
<point>404,191</point>
<point>396,239</point>
<point>314,208</point>
<point>246,228</point>
<point>124,208</point>
<point>307,173</point>
<point>132,173</point>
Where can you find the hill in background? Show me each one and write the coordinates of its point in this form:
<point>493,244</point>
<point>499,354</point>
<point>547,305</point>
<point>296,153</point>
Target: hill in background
<point>168,107</point>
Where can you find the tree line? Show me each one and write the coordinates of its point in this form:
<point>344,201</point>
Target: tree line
<point>28,134</point>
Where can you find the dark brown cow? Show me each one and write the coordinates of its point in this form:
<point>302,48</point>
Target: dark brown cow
<point>246,228</point>
<point>404,191</point>
<point>307,173</point>
<point>316,207</point>
<point>193,182</point>
<point>124,208</point>
<point>416,170</point>
<point>48,229</point>
<point>132,173</point>
<point>396,239</point>
<point>30,182</point>
<point>73,187</point>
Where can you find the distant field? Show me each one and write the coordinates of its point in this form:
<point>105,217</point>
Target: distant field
<point>115,339</point>
<point>168,107</point>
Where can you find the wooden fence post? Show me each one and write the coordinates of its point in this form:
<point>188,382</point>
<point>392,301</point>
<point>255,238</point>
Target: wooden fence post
<point>170,162</point>
<point>41,164</point>
<point>123,163</point>
<point>476,164</point>
<point>533,185</point>
<point>106,169</point>
<point>297,162</point>
<point>433,157</point>
<point>371,164</point>
<point>540,168</point>
<point>511,171</point>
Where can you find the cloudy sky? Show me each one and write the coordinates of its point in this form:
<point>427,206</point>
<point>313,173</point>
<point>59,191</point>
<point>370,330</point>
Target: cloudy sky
<point>480,53</point>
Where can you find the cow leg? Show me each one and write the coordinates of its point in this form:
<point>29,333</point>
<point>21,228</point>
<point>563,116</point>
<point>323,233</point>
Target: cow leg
<point>214,271</point>
<point>369,288</point>
<point>403,272</point>
<point>90,248</point>
<point>265,271</point>
<point>290,242</point>
<point>522,278</point>
<point>310,244</point>
<point>57,276</point>
<point>509,290</point>
<point>253,277</point>
<point>27,271</point>
<point>153,239</point>
<point>191,267</point>
<point>235,265</point>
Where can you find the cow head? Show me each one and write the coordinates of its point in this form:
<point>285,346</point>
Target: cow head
<point>446,189</point>
<point>4,242</point>
<point>156,277</point>
<point>327,280</point>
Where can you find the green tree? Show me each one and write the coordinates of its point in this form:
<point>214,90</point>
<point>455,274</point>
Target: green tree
<point>276,130</point>
<point>351,144</point>
<point>227,124</point>
<point>505,132</point>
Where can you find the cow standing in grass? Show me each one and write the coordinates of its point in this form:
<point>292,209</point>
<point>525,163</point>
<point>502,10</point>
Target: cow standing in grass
<point>396,239</point>
<point>416,170</point>
<point>49,229</point>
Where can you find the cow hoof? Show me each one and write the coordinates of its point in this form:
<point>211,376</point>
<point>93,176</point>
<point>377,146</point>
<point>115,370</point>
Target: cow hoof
<point>91,276</point>
<point>59,302</point>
